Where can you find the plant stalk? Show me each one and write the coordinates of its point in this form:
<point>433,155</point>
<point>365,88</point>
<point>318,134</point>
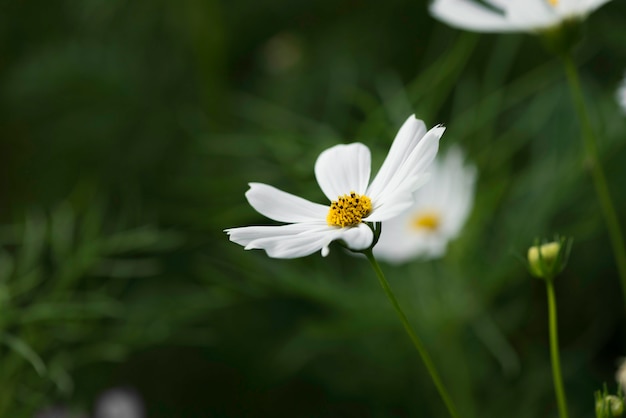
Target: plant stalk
<point>428,362</point>
<point>554,351</point>
<point>597,173</point>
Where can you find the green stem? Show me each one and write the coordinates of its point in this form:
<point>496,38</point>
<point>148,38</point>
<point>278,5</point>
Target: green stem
<point>554,352</point>
<point>428,362</point>
<point>597,173</point>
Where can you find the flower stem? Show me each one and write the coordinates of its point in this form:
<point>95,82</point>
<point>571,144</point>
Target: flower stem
<point>428,362</point>
<point>554,351</point>
<point>597,173</point>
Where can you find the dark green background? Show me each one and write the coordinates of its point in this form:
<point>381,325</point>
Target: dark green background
<point>152,116</point>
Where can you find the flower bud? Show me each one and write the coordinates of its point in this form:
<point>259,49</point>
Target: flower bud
<point>609,406</point>
<point>547,260</point>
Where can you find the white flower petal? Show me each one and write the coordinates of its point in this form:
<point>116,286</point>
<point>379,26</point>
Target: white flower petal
<point>470,15</point>
<point>419,160</point>
<point>342,169</point>
<point>399,242</point>
<point>406,140</point>
<point>408,177</point>
<point>295,246</point>
<point>282,206</point>
<point>434,246</point>
<point>498,4</point>
<point>591,5</point>
<point>566,8</point>
<point>392,206</point>
<point>449,196</point>
<point>358,237</point>
<point>460,183</point>
<point>532,14</point>
<point>285,241</point>
<point>246,234</point>
<point>518,15</point>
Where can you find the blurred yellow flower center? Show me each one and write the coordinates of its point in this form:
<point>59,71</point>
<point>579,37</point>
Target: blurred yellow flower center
<point>426,220</point>
<point>348,210</point>
<point>553,2</point>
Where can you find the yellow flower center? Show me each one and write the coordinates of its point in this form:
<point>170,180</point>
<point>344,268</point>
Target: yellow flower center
<point>426,220</point>
<point>553,3</point>
<point>348,210</point>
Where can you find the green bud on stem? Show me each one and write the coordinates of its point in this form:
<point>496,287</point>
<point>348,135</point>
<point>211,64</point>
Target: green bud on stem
<point>547,260</point>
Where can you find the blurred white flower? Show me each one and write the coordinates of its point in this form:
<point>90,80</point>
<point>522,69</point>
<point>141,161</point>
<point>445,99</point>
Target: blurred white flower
<point>343,174</point>
<point>440,210</point>
<point>621,95</point>
<point>511,15</point>
<point>119,403</point>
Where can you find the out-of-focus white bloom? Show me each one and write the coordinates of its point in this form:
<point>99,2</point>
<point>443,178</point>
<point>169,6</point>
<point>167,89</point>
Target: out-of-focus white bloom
<point>119,403</point>
<point>511,15</point>
<point>621,95</point>
<point>620,375</point>
<point>440,210</point>
<point>343,174</point>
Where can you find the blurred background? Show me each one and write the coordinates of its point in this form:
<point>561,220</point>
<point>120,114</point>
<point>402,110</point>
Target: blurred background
<point>129,132</point>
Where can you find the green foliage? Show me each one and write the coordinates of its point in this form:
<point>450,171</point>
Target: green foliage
<point>59,298</point>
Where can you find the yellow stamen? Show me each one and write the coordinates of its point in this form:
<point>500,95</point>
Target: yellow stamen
<point>426,220</point>
<point>348,210</point>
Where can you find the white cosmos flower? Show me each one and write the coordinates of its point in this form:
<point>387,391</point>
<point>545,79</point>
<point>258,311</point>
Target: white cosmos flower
<point>621,98</point>
<point>343,174</point>
<point>511,15</point>
<point>440,210</point>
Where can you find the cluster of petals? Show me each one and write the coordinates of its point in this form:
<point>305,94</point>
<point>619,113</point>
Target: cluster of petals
<point>511,15</point>
<point>341,170</point>
<point>448,196</point>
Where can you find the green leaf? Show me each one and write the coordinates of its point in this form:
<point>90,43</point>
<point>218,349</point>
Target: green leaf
<point>23,349</point>
<point>62,225</point>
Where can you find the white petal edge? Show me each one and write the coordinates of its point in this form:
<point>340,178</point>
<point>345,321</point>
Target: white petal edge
<point>571,7</point>
<point>580,7</point>
<point>399,244</point>
<point>591,5</point>
<point>342,169</point>
<point>285,241</point>
<point>533,15</point>
<point>468,15</point>
<point>246,234</point>
<point>392,207</point>
<point>406,139</point>
<point>299,240</point>
<point>419,161</point>
<point>282,206</point>
<point>499,4</point>
<point>411,175</point>
<point>358,237</point>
